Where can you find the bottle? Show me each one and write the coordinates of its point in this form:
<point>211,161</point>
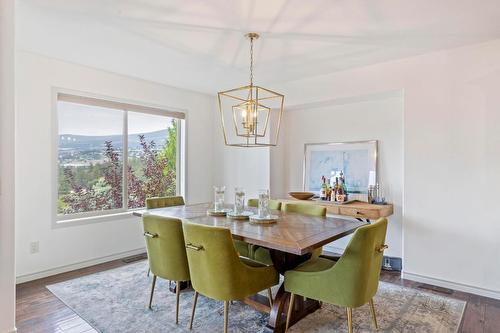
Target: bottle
<point>340,197</point>
<point>343,185</point>
<point>371,193</point>
<point>322,192</point>
<point>332,178</point>
<point>335,189</point>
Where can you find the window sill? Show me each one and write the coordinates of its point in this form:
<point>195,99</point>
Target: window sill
<point>61,221</point>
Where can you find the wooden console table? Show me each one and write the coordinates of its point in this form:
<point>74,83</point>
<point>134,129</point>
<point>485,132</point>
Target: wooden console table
<point>357,209</point>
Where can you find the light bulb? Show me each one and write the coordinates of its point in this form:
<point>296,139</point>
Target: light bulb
<point>244,113</point>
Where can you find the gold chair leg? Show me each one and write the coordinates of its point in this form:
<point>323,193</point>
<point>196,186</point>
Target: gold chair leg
<point>289,313</point>
<point>349,319</point>
<point>152,291</point>
<point>194,308</point>
<point>177,293</point>
<point>270,296</point>
<point>374,316</point>
<point>226,310</point>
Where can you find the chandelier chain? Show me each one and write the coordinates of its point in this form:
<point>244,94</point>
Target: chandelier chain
<point>251,61</point>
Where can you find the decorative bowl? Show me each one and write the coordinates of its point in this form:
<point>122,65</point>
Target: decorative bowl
<point>301,195</point>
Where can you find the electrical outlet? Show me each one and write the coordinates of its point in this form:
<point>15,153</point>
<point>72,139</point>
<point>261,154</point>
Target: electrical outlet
<point>392,264</point>
<point>387,263</point>
<point>34,247</point>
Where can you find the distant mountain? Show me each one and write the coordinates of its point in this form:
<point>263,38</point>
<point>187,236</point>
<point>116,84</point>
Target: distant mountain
<point>92,143</point>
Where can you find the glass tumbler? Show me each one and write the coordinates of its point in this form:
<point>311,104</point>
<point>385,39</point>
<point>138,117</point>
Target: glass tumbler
<point>219,198</point>
<point>239,200</point>
<point>263,210</point>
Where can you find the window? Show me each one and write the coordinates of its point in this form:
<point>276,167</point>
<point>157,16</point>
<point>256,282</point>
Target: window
<point>112,155</point>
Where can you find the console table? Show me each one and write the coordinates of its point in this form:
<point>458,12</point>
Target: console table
<point>357,209</point>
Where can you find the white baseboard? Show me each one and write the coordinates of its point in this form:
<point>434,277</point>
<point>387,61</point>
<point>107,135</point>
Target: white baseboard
<point>451,285</point>
<point>72,267</point>
<point>14,330</point>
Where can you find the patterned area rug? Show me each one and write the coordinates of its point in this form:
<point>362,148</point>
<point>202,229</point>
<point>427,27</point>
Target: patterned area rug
<point>116,301</point>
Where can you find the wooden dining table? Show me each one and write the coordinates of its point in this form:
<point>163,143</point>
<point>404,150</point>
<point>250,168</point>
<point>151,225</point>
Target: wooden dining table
<point>290,241</point>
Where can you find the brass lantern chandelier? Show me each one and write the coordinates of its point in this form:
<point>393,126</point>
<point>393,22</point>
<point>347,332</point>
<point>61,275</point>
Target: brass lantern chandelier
<point>254,112</point>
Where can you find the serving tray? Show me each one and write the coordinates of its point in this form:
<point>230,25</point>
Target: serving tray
<point>241,216</point>
<point>212,212</point>
<point>255,219</point>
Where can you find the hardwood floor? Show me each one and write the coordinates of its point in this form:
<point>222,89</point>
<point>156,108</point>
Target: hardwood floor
<point>39,311</point>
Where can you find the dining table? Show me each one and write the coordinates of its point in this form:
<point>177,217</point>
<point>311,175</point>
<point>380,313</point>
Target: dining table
<point>290,240</point>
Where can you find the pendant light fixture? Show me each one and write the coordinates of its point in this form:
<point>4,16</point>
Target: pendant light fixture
<point>252,113</point>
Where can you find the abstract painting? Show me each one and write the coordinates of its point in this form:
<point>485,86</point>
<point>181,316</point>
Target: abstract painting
<point>357,160</point>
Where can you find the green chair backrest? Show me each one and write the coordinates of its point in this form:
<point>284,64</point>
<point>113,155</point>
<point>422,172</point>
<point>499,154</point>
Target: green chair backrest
<point>159,202</point>
<point>216,270</point>
<point>166,248</point>
<point>358,269</point>
<point>305,209</point>
<point>273,204</point>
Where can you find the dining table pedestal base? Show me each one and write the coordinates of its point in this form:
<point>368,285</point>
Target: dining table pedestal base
<point>284,261</point>
<point>277,318</point>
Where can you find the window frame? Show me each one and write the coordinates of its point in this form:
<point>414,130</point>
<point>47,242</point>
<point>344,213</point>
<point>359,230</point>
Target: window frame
<point>180,116</point>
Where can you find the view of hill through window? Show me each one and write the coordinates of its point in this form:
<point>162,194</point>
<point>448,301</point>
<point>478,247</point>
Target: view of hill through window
<point>91,156</point>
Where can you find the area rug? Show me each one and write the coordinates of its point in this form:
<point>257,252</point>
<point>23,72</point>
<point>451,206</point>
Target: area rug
<point>115,301</point>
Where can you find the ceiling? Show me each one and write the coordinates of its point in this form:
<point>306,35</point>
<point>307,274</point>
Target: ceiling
<point>199,45</point>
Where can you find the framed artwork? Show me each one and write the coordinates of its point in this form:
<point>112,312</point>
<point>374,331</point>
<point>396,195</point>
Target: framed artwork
<point>357,160</point>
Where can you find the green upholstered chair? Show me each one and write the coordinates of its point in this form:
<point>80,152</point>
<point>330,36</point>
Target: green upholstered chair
<point>244,249</point>
<point>166,252</point>
<point>248,250</point>
<point>351,281</point>
<point>273,204</point>
<point>304,209</point>
<point>262,254</point>
<point>217,271</point>
<point>159,202</point>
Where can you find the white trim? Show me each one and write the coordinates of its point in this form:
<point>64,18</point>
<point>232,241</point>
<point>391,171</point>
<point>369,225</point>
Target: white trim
<point>14,330</point>
<point>451,285</point>
<point>95,219</point>
<point>182,157</point>
<point>55,158</point>
<point>125,161</point>
<point>83,264</point>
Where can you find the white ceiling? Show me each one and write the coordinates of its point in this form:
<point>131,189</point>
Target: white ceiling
<point>199,45</point>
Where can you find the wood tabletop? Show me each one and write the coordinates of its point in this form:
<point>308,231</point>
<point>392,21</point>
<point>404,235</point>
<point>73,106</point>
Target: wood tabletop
<point>292,233</point>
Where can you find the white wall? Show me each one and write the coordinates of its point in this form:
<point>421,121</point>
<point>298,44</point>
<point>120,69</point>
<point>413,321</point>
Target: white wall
<point>378,117</point>
<point>64,246</point>
<point>239,167</point>
<point>7,165</point>
<point>451,222</point>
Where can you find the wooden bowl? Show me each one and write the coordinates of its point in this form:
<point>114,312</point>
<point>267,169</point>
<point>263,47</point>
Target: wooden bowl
<point>301,195</point>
